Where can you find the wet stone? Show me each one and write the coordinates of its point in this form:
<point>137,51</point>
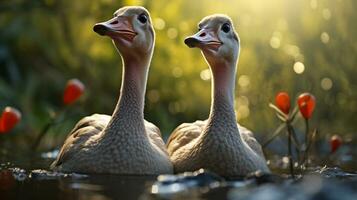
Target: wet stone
<point>318,183</point>
<point>332,172</point>
<point>310,187</point>
<point>18,173</point>
<point>40,174</point>
<point>171,184</point>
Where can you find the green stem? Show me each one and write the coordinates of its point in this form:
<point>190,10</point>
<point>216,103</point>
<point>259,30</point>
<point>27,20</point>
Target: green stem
<point>290,154</point>
<point>306,156</point>
<point>307,131</point>
<point>310,141</point>
<point>47,127</point>
<point>43,133</point>
<point>296,141</point>
<point>274,135</point>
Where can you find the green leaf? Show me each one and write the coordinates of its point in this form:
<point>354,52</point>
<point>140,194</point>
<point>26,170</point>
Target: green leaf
<point>274,135</point>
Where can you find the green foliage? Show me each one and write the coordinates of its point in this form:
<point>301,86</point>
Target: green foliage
<point>43,43</point>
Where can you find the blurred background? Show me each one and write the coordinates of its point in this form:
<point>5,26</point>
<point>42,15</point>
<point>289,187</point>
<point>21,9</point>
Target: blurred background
<point>295,46</point>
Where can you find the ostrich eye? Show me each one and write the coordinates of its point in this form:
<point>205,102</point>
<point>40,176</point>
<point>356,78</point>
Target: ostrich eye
<point>226,28</point>
<point>142,18</point>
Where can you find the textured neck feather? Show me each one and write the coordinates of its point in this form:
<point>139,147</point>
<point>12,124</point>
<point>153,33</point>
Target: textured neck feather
<point>128,116</point>
<point>222,106</point>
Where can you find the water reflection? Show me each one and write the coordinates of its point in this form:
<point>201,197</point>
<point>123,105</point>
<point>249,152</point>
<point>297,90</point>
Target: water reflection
<point>42,184</point>
<point>19,183</point>
<point>197,185</point>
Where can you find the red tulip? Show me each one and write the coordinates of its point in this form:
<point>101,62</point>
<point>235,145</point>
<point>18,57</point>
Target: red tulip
<point>282,100</point>
<point>306,103</point>
<point>74,89</point>
<point>9,118</point>
<point>335,142</point>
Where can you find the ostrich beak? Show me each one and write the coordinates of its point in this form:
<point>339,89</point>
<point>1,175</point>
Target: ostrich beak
<point>204,38</point>
<point>117,27</point>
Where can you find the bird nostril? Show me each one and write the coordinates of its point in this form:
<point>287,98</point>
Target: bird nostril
<point>202,34</point>
<point>191,42</point>
<point>100,29</point>
<point>114,22</point>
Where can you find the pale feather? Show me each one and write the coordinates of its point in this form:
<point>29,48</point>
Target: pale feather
<point>91,127</point>
<point>186,133</point>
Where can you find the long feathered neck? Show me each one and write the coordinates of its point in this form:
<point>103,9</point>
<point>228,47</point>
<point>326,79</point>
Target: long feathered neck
<point>223,84</point>
<point>129,111</point>
<point>222,115</point>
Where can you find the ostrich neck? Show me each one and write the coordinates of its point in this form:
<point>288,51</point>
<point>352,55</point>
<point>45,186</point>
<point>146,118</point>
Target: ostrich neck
<point>223,79</point>
<point>128,116</point>
<point>222,114</point>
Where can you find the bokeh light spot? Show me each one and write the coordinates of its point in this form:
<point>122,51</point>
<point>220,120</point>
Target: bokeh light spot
<point>174,107</point>
<point>299,67</point>
<point>325,38</point>
<point>275,42</point>
<point>184,26</point>
<point>243,112</point>
<point>159,23</point>
<point>172,33</point>
<point>153,96</point>
<point>313,4</point>
<point>243,81</point>
<point>205,74</point>
<point>326,83</point>
<point>177,72</point>
<point>242,101</point>
<point>326,14</point>
<point>292,50</point>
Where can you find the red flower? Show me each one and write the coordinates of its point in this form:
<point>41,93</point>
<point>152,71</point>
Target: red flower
<point>335,143</point>
<point>282,100</point>
<point>306,103</point>
<point>9,118</point>
<point>74,89</point>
